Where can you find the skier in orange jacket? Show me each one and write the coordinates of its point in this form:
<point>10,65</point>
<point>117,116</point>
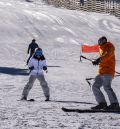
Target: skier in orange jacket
<point>106,63</point>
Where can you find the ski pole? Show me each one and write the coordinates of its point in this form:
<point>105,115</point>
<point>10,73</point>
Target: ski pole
<point>118,74</point>
<point>86,58</point>
<point>88,81</point>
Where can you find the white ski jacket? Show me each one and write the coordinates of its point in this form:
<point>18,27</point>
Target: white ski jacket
<point>38,66</point>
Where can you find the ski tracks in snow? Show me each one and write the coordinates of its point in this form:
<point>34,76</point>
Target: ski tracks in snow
<point>110,25</point>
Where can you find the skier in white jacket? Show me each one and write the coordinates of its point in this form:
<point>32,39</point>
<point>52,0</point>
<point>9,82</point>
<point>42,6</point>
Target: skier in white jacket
<point>37,64</point>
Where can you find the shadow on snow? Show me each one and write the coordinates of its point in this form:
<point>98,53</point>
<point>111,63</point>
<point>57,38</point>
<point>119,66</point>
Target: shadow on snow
<point>14,71</point>
<point>28,1</point>
<point>54,66</point>
<point>17,71</point>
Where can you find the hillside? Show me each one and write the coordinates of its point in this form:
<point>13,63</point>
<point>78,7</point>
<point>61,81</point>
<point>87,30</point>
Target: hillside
<point>59,32</point>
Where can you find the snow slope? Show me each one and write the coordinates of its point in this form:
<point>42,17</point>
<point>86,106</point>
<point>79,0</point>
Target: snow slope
<point>59,32</point>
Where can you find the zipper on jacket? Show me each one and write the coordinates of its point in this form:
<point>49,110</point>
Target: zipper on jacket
<point>38,68</point>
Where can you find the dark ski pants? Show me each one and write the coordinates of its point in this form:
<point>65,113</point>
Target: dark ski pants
<point>105,81</point>
<point>30,83</point>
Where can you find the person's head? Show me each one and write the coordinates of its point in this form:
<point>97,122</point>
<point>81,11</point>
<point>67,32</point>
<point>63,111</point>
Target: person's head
<point>38,53</point>
<point>102,40</point>
<point>33,40</point>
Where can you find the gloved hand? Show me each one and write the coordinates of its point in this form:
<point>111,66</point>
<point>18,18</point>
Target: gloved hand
<point>44,68</point>
<point>31,68</point>
<point>97,61</point>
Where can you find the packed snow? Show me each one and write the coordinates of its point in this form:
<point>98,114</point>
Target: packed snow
<point>60,33</point>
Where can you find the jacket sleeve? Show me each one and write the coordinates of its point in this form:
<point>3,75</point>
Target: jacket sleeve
<point>44,63</point>
<point>28,49</point>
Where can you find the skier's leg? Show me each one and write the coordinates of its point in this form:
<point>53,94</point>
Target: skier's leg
<point>96,90</point>
<point>107,79</point>
<point>29,58</point>
<point>28,86</point>
<point>44,85</point>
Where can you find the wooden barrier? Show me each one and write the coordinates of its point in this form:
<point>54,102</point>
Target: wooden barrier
<point>100,6</point>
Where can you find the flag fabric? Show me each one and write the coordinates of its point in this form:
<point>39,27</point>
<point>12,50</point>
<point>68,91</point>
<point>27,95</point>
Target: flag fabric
<point>88,48</point>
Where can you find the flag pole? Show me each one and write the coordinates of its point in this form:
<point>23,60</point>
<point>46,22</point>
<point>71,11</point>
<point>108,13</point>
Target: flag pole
<point>80,52</point>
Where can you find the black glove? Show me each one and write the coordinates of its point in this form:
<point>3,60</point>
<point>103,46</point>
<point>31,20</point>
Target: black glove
<point>44,68</point>
<point>31,68</point>
<point>97,61</point>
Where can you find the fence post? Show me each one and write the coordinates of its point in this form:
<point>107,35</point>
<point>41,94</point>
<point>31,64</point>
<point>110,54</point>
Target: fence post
<point>107,6</point>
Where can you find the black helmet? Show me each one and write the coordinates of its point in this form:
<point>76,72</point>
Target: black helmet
<point>38,53</point>
<point>102,40</point>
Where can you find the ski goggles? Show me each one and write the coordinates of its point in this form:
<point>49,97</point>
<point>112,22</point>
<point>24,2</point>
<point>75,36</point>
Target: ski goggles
<point>101,42</point>
<point>38,53</point>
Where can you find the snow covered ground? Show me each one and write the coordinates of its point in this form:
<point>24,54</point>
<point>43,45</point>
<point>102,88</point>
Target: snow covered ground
<point>59,32</point>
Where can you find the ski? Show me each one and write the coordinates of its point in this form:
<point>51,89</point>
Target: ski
<point>31,100</point>
<point>89,110</point>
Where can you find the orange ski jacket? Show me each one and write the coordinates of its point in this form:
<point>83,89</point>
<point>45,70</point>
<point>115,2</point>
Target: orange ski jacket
<point>107,54</point>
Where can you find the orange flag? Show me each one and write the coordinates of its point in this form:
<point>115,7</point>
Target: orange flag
<point>88,48</point>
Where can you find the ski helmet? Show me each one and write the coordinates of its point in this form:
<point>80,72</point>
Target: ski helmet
<point>38,53</point>
<point>102,40</point>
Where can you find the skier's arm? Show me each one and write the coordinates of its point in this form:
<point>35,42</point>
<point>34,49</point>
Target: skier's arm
<point>44,66</point>
<point>30,65</point>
